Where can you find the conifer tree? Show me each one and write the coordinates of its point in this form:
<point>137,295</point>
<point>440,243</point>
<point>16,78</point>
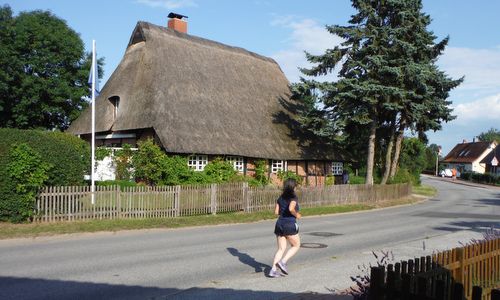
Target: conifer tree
<point>387,77</point>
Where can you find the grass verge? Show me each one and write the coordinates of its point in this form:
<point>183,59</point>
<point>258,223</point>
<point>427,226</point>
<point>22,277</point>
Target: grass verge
<point>8,230</point>
<point>424,190</point>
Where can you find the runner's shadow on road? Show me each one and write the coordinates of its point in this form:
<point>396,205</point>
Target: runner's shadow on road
<point>248,260</point>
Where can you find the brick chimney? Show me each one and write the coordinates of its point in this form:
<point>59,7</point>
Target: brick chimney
<point>177,23</point>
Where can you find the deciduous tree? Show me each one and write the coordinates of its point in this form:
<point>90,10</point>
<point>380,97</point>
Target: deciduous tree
<point>43,71</point>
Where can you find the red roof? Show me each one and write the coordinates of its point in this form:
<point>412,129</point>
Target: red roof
<point>467,152</point>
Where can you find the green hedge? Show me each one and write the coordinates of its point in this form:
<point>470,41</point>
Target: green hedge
<point>67,156</point>
<point>480,178</point>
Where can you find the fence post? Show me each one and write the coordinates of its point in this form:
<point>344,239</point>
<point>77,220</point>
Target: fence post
<point>391,283</point>
<point>477,293</point>
<point>177,196</point>
<point>440,289</point>
<point>458,291</point>
<point>246,198</point>
<point>377,279</point>
<point>406,286</point>
<point>213,199</point>
<point>495,294</point>
<point>422,287</point>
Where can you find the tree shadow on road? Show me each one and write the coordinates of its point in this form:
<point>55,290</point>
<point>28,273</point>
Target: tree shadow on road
<point>492,202</point>
<point>477,226</point>
<point>41,289</point>
<point>248,260</point>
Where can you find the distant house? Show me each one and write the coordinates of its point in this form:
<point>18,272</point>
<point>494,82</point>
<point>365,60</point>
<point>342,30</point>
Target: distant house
<point>468,157</point>
<point>204,99</point>
<point>492,161</point>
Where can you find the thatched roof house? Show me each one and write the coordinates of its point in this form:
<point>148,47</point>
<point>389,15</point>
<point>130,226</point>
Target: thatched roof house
<point>198,96</point>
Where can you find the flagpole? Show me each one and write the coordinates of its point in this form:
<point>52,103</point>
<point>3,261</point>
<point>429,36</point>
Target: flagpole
<point>92,175</point>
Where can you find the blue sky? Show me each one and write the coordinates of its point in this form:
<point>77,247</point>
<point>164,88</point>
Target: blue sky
<point>284,29</point>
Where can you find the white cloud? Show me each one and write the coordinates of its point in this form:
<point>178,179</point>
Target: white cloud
<point>168,4</point>
<point>481,67</point>
<point>483,109</point>
<point>306,35</point>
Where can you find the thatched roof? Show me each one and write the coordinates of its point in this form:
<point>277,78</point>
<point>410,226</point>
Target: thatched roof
<point>199,96</point>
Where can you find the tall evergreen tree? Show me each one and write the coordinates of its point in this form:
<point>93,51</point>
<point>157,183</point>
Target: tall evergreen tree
<point>43,71</point>
<point>388,76</point>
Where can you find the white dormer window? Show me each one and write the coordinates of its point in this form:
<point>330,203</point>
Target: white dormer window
<point>337,168</point>
<point>197,162</point>
<point>237,162</point>
<point>277,165</point>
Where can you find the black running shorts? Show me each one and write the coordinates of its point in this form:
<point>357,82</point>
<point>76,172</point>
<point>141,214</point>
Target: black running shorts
<point>285,227</point>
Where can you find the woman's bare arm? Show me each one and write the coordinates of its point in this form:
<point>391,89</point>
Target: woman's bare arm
<point>277,209</point>
<point>293,211</point>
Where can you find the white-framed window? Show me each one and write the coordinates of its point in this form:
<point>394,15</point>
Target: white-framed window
<point>277,165</point>
<point>337,168</point>
<point>197,162</point>
<point>237,162</point>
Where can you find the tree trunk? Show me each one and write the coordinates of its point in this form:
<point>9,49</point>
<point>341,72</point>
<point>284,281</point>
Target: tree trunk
<point>371,153</point>
<point>397,150</point>
<point>388,156</point>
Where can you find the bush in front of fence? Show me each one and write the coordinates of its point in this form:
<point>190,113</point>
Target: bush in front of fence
<point>480,178</point>
<point>21,167</point>
<point>154,167</point>
<point>26,173</point>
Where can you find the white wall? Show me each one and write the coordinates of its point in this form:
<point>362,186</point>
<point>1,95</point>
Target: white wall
<point>105,169</point>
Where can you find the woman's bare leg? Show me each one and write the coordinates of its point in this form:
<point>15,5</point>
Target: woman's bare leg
<point>294,240</point>
<point>281,241</point>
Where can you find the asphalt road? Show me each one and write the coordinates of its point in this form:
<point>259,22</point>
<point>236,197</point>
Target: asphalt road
<point>230,261</point>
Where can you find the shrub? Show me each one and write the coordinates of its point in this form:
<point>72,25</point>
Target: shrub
<point>27,173</point>
<point>284,175</point>
<point>413,158</point>
<point>356,179</point>
<point>68,156</point>
<point>153,167</point>
<point>404,176</point>
<point>219,171</point>
<point>330,180</point>
<point>123,162</point>
<point>480,178</point>
<point>260,176</point>
<point>178,172</point>
<point>466,176</point>
<point>102,152</point>
<point>149,162</point>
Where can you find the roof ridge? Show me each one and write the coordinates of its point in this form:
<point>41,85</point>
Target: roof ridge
<point>205,41</point>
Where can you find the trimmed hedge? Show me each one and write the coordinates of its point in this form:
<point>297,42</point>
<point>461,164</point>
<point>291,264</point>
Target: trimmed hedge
<point>480,178</point>
<point>68,156</point>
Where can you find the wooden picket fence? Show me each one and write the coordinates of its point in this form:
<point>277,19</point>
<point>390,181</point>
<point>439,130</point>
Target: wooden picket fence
<point>477,264</point>
<point>68,203</point>
<point>470,272</point>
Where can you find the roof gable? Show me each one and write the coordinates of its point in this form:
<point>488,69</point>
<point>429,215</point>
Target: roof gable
<point>138,34</point>
<point>493,156</point>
